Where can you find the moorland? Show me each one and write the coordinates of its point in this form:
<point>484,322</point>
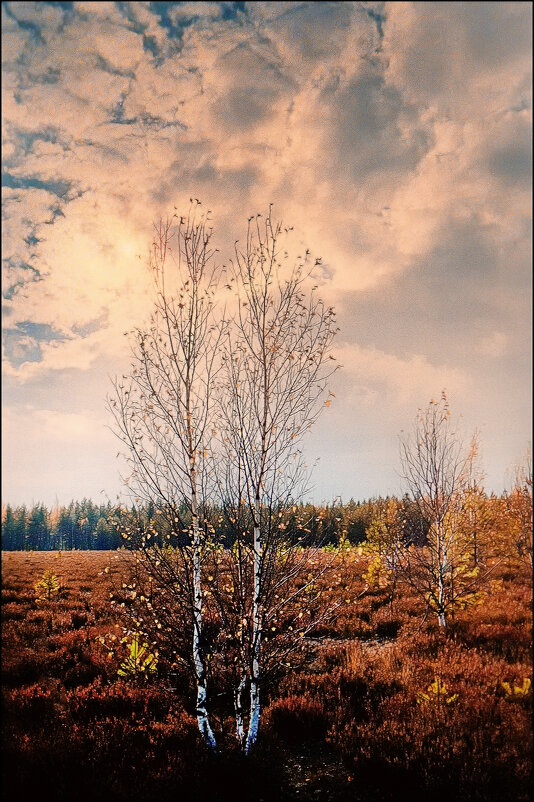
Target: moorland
<point>381,704</point>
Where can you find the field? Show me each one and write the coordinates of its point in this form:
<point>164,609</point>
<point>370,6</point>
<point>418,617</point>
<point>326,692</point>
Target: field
<point>381,706</point>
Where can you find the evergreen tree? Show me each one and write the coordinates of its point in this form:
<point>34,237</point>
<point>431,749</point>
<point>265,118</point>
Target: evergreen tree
<point>64,533</point>
<point>38,530</point>
<point>103,537</point>
<point>9,531</point>
<point>21,520</point>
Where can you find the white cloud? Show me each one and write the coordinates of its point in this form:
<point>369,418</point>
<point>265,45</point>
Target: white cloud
<point>398,146</point>
<point>406,381</point>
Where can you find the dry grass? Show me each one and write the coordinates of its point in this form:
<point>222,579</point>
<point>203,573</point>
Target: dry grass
<point>345,724</point>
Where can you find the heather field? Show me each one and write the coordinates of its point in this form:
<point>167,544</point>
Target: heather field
<point>379,705</point>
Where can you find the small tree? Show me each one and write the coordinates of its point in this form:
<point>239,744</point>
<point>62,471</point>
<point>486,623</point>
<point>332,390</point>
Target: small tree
<point>212,414</point>
<point>436,469</point>
<point>164,416</point>
<point>48,586</point>
<point>277,364</point>
<point>140,663</point>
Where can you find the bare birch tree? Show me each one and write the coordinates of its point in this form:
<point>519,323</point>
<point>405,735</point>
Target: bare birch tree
<point>436,469</point>
<point>277,364</point>
<point>212,416</point>
<point>163,413</point>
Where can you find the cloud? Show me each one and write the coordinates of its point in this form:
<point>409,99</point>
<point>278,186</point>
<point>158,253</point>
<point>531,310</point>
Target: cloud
<point>190,11</point>
<point>394,137</point>
<point>460,59</point>
<point>374,373</point>
<point>495,345</point>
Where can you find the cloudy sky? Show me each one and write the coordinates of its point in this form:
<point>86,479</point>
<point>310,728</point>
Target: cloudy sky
<point>394,137</point>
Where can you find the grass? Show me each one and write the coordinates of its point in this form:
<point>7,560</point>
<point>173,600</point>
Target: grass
<point>344,724</point>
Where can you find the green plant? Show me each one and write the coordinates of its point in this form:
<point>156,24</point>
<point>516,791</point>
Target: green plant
<point>140,662</point>
<point>48,586</point>
<point>518,691</point>
<point>437,693</point>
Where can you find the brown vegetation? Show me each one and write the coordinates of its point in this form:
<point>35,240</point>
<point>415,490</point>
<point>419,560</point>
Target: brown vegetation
<point>379,705</point>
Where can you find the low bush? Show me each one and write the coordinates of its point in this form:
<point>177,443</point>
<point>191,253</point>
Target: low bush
<point>296,719</point>
<point>349,721</point>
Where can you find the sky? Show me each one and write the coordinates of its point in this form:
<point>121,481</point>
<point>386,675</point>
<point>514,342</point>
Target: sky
<point>394,137</point>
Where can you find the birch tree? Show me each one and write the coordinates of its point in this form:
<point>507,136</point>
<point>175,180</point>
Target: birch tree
<point>277,364</point>
<point>436,469</point>
<point>163,414</point>
<point>212,415</point>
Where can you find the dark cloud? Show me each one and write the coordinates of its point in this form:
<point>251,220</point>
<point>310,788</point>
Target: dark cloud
<point>365,134</point>
<point>445,304</point>
<point>313,32</point>
<point>512,164</point>
<point>494,32</point>
<point>250,85</point>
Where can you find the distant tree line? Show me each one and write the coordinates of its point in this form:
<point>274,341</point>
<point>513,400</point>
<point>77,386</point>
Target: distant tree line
<point>81,525</point>
<point>88,526</point>
<point>503,521</point>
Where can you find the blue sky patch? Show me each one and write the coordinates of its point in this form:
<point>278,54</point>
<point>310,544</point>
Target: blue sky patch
<point>40,331</point>
<point>30,275</point>
<point>23,342</point>
<point>59,188</point>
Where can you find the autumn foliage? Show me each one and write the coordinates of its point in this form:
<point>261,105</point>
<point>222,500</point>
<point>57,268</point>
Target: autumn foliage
<point>378,704</point>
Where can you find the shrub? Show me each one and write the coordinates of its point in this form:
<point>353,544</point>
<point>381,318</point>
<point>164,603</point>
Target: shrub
<point>140,662</point>
<point>48,586</point>
<point>297,719</point>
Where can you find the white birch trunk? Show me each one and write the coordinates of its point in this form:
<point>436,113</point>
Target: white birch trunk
<point>200,671</point>
<point>255,708</point>
<point>239,710</point>
<point>442,620</point>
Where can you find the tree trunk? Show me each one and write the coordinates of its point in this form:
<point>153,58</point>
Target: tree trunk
<point>239,710</point>
<point>442,619</point>
<point>255,708</point>
<point>442,564</point>
<point>200,671</point>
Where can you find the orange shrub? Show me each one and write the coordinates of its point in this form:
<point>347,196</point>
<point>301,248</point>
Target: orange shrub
<point>296,718</point>
<point>346,714</point>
